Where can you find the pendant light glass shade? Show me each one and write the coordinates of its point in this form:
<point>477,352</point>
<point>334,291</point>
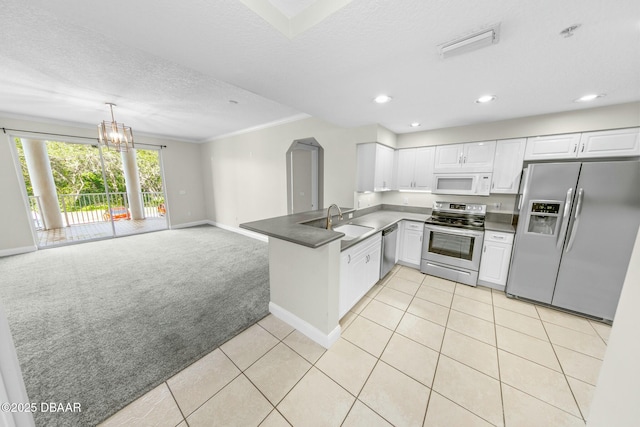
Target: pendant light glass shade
<point>114,135</point>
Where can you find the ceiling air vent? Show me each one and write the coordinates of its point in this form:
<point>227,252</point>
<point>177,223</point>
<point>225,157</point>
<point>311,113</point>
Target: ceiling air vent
<point>470,42</point>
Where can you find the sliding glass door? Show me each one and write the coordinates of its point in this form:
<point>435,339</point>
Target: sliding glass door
<point>136,194</point>
<point>78,192</point>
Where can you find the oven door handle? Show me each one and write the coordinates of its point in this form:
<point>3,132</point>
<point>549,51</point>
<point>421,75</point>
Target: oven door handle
<point>453,230</point>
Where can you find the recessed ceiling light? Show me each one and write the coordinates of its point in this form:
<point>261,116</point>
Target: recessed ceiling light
<point>415,125</point>
<point>590,97</point>
<point>485,98</point>
<point>382,99</point>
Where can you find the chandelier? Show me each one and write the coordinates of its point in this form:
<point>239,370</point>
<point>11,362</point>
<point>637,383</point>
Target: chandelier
<point>114,135</point>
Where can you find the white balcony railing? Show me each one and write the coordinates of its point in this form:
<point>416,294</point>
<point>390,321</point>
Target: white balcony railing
<point>94,207</point>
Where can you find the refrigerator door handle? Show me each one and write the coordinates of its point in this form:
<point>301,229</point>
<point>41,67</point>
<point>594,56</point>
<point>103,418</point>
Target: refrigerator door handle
<point>565,216</point>
<point>576,221</point>
<point>525,178</point>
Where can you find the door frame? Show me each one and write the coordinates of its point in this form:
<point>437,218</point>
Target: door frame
<point>317,172</point>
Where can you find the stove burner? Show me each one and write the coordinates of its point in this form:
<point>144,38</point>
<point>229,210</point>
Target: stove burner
<point>457,215</point>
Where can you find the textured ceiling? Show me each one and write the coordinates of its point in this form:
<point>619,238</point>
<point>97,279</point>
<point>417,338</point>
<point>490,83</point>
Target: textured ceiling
<point>172,67</point>
<point>291,8</point>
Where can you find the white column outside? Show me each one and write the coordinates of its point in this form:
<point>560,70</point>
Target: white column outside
<point>39,167</point>
<point>132,181</point>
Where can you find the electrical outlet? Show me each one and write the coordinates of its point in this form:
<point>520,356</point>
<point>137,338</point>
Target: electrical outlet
<point>405,201</point>
<point>497,205</point>
<point>349,216</point>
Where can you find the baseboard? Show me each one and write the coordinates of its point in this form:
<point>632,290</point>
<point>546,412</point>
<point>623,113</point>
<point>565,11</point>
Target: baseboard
<point>408,264</point>
<point>17,251</point>
<point>491,285</point>
<point>304,327</point>
<point>239,230</point>
<point>189,224</point>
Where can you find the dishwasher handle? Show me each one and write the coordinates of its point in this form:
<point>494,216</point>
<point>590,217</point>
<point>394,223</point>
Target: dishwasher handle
<point>389,229</point>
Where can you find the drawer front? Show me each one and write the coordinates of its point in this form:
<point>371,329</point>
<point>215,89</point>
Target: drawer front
<point>413,225</point>
<point>498,237</point>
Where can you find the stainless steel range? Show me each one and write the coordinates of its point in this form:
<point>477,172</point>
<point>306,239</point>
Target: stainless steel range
<point>452,243</point>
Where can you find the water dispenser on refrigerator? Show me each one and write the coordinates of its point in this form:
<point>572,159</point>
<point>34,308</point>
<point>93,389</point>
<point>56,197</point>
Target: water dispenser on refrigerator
<point>542,217</point>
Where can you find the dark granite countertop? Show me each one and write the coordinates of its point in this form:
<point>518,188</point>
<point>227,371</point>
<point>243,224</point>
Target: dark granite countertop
<point>379,220</point>
<point>499,226</point>
<point>292,229</point>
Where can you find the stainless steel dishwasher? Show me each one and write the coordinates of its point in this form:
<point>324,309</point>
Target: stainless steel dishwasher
<point>389,242</point>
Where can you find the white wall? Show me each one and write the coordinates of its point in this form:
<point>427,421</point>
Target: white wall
<point>503,203</point>
<point>611,117</point>
<point>615,402</point>
<point>182,169</point>
<point>245,175</point>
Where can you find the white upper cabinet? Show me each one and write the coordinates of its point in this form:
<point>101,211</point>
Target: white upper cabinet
<point>448,158</point>
<point>478,156</point>
<point>375,167</point>
<point>552,147</point>
<point>468,157</point>
<point>507,166</point>
<point>414,168</point>
<point>610,143</point>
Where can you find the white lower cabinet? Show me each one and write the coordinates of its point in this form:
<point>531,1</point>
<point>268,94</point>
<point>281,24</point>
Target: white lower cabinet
<point>496,257</point>
<point>359,271</point>
<point>411,243</point>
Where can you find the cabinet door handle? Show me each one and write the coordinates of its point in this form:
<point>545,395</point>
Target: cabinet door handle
<point>575,147</point>
<point>582,148</point>
<point>493,185</point>
<point>348,259</point>
<point>464,159</point>
<point>484,249</point>
<point>460,158</point>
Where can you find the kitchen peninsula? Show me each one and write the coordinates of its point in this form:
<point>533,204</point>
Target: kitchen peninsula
<point>304,263</point>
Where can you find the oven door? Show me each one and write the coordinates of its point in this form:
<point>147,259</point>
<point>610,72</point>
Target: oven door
<point>452,246</point>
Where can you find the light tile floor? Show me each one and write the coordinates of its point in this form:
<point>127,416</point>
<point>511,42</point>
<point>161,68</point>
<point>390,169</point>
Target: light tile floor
<point>416,351</point>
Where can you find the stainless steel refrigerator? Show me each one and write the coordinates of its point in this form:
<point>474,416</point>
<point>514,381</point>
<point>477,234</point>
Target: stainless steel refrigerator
<point>577,226</point>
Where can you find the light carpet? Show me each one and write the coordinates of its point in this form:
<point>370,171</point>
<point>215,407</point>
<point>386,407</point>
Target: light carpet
<point>102,323</point>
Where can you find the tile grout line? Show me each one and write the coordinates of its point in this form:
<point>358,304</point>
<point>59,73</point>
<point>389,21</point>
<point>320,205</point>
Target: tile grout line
<point>495,331</point>
<point>242,372</point>
<point>379,358</point>
<point>563,372</point>
<point>178,405</point>
<point>473,368</point>
<point>435,370</point>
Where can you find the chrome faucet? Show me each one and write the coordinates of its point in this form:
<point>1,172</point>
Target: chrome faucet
<point>329,215</point>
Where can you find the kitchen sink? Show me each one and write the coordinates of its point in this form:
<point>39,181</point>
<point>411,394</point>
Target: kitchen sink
<point>352,231</point>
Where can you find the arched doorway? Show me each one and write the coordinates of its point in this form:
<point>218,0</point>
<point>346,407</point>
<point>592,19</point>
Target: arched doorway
<point>305,176</point>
